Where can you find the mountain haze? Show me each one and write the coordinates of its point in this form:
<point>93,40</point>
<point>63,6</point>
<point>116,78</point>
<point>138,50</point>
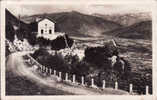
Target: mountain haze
<point>141,30</point>
<point>126,19</point>
<point>78,24</point>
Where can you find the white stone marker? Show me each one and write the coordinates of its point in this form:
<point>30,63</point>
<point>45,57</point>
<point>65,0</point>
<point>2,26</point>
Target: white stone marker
<point>54,72</point>
<point>50,71</point>
<point>104,83</point>
<point>116,85</point>
<point>92,82</point>
<point>74,78</point>
<point>60,75</point>
<point>147,90</point>
<point>66,76</point>
<point>82,80</point>
<point>130,88</point>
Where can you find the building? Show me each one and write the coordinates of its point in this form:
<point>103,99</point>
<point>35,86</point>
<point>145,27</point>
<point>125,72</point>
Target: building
<point>45,27</point>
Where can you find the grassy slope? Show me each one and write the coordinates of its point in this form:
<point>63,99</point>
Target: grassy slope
<point>20,85</point>
<point>141,30</point>
<point>137,51</point>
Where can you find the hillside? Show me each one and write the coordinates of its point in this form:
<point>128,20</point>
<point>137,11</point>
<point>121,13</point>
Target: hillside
<point>126,19</point>
<point>78,24</point>
<point>14,26</point>
<point>141,30</point>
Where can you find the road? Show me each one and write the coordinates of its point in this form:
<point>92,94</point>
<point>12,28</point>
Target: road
<point>43,85</point>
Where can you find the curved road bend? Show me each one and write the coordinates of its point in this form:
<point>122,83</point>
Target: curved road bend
<point>15,64</point>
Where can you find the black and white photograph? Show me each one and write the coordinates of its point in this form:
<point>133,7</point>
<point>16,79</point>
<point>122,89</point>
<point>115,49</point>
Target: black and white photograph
<point>94,49</point>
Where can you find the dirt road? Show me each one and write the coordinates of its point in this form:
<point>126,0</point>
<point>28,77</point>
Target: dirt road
<point>15,67</point>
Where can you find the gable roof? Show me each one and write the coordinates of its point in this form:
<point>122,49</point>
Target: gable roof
<point>47,18</point>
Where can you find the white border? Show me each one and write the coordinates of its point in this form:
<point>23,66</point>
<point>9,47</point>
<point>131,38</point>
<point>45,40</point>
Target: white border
<point>70,2</point>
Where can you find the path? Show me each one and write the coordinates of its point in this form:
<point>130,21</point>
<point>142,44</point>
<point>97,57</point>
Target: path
<point>16,65</point>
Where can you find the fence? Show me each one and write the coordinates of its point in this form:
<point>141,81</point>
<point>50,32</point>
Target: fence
<point>73,78</point>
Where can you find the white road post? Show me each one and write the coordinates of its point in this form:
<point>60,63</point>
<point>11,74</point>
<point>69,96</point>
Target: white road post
<point>54,73</point>
<point>104,83</point>
<point>74,78</point>
<point>60,75</point>
<point>82,80</point>
<point>50,71</point>
<point>92,82</point>
<point>47,70</point>
<point>66,76</point>
<point>131,88</point>
<point>147,90</point>
<point>116,85</point>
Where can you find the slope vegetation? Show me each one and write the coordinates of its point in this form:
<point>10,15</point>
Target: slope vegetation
<point>141,30</point>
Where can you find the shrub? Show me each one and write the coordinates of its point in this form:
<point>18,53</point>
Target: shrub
<point>43,42</point>
<point>59,43</point>
<point>99,55</point>
<point>39,52</point>
<point>51,61</point>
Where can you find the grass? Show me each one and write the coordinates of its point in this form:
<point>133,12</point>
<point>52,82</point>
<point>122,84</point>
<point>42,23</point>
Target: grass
<point>20,85</point>
<point>137,51</point>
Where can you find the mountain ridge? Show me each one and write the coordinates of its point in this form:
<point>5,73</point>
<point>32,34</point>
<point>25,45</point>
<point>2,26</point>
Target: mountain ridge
<point>141,30</point>
<point>126,19</point>
<point>76,23</point>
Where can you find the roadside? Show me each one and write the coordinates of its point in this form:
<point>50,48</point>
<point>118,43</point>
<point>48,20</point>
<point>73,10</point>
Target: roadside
<point>47,85</point>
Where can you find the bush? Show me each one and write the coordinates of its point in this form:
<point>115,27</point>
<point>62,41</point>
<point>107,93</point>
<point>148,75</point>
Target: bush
<point>140,80</point>
<point>56,44</point>
<point>99,55</point>
<point>59,43</point>
<point>40,52</point>
<point>51,61</point>
<point>43,42</point>
<point>87,67</point>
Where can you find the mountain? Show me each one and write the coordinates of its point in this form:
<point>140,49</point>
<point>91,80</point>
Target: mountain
<point>126,19</point>
<point>141,30</point>
<point>10,18</point>
<point>15,26</point>
<point>78,24</point>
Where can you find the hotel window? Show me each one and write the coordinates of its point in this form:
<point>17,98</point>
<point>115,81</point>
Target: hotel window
<point>42,31</point>
<point>50,31</point>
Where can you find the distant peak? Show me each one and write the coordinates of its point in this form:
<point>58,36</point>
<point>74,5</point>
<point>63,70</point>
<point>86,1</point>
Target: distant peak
<point>73,11</point>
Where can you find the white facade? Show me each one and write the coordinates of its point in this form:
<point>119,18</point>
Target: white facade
<point>46,29</point>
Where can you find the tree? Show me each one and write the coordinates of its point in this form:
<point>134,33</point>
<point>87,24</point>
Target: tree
<point>59,42</point>
<point>10,32</point>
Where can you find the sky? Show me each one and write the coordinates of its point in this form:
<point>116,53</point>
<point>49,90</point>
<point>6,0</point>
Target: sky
<point>86,9</point>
